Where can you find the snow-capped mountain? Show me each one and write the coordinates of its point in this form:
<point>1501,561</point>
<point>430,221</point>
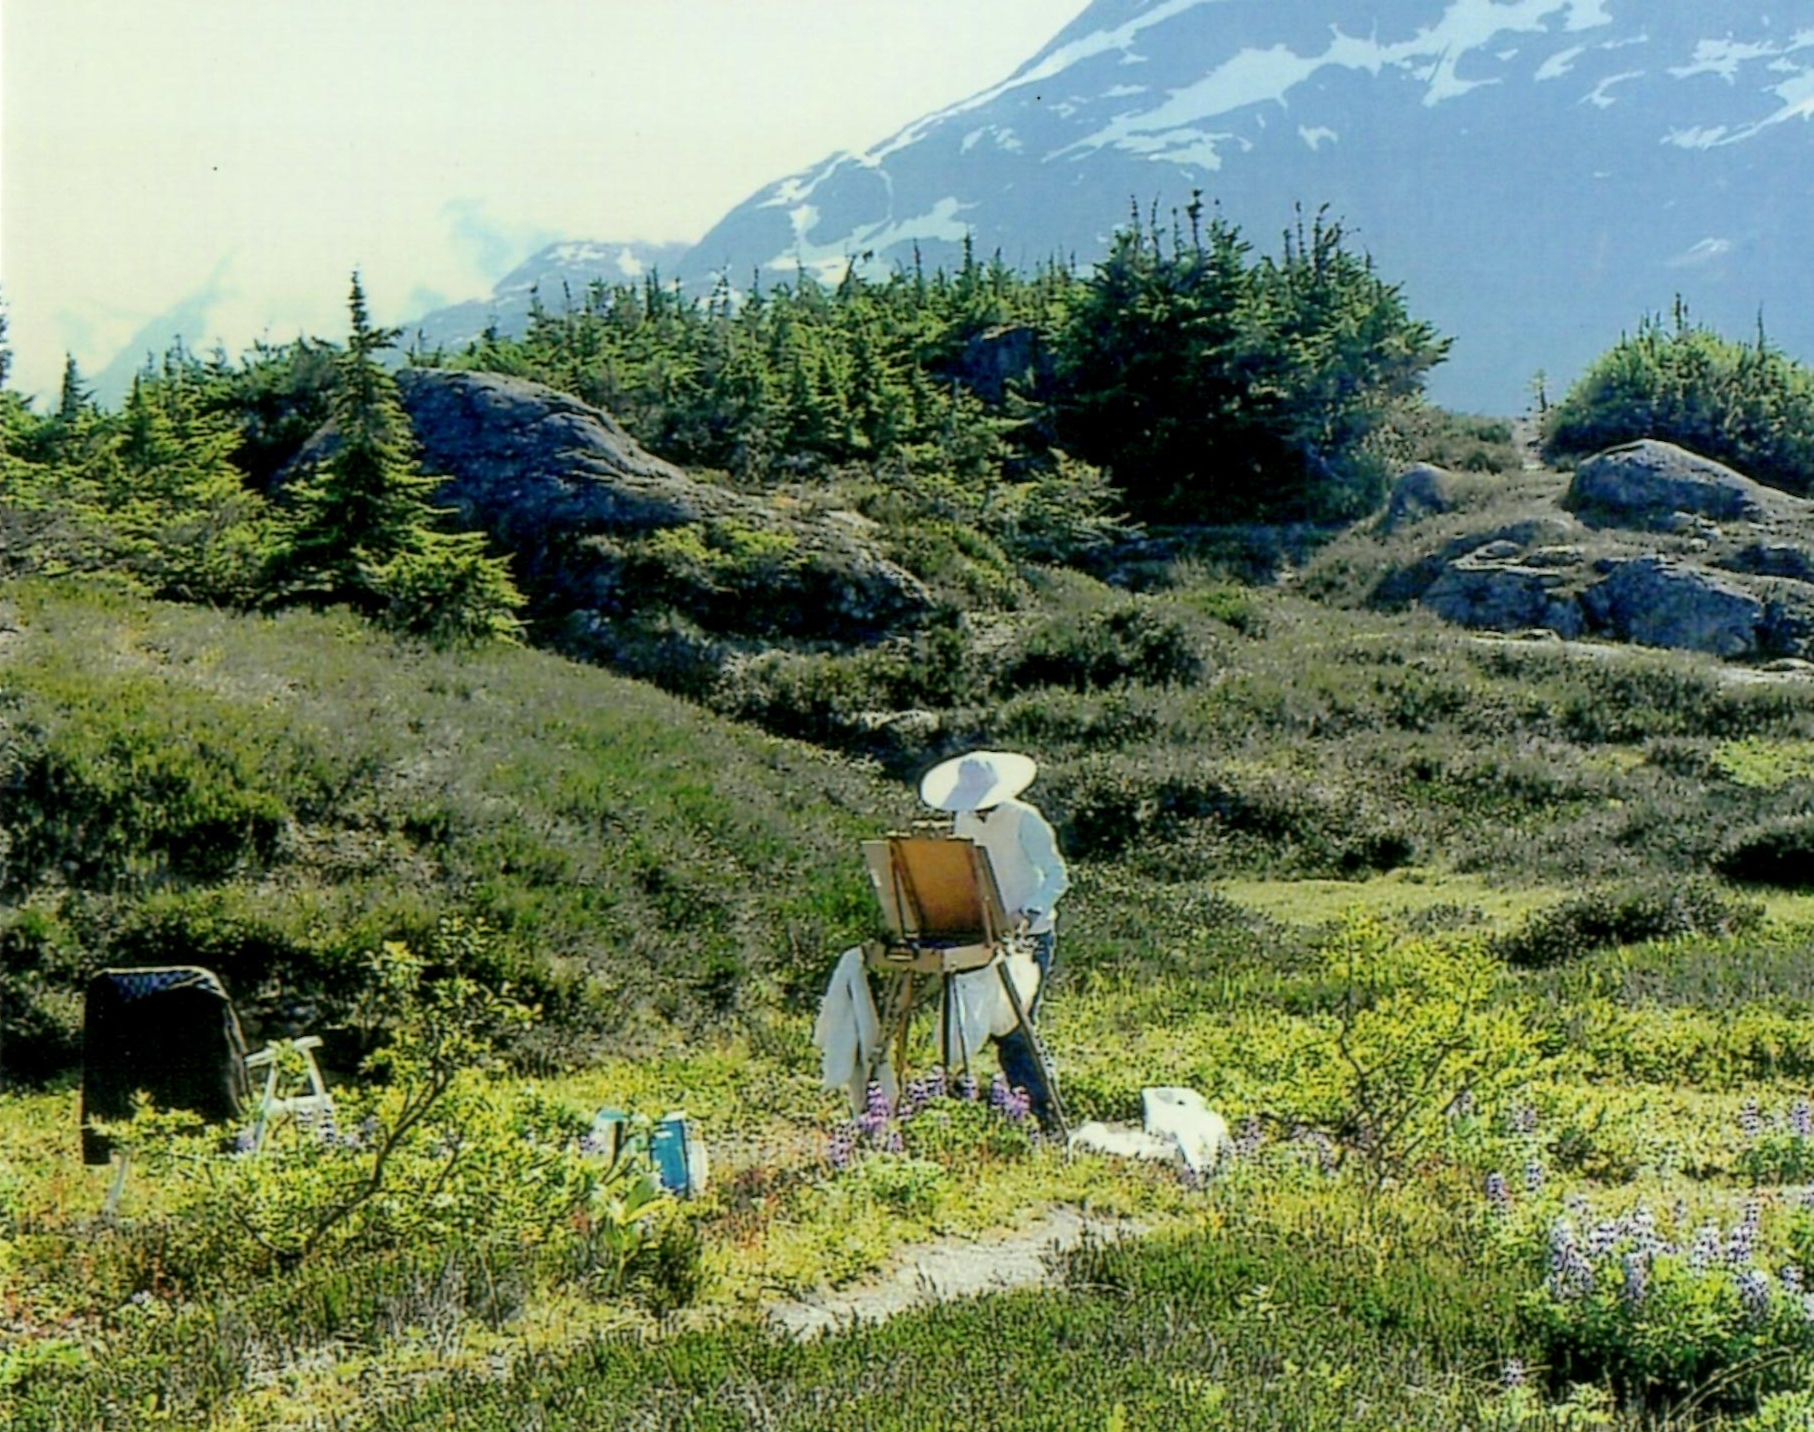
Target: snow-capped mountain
<point>1537,174</point>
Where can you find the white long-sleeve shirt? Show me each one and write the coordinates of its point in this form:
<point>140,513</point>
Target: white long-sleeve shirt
<point>1024,852</point>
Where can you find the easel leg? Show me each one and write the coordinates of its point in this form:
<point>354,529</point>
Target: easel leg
<point>897,1011</point>
<point>1039,1049</point>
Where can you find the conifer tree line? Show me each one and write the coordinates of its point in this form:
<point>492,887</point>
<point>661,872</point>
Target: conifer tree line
<point>1205,384</point>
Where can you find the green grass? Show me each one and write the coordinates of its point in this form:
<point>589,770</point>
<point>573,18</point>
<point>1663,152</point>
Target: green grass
<point>275,797</point>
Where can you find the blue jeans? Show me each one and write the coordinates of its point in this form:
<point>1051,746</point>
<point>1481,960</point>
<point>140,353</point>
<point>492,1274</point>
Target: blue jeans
<point>1019,1064</point>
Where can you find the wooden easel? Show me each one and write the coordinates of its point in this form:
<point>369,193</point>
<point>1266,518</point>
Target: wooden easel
<point>944,915</point>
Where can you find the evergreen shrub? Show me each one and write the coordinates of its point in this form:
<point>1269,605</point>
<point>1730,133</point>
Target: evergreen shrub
<point>1625,915</point>
<point>1780,853</point>
<point>1744,404</point>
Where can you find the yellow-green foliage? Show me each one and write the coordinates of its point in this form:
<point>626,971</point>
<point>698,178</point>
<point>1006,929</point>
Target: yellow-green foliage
<point>1758,763</point>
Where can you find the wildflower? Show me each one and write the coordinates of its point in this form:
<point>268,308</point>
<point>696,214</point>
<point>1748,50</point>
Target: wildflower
<point>1801,1119</point>
<point>1604,1237</point>
<point>1743,1242</point>
<point>998,1092</point>
<point>1463,1105</point>
<point>1570,1274</point>
<point>1754,1293</point>
<point>1251,1137</point>
<point>1706,1250</point>
<point>1324,1149</point>
<point>842,1147</point>
<point>1750,1120</point>
<point>1793,1283</point>
<point>935,1084</point>
<point>1533,1177</point>
<point>876,1101</point>
<point>1637,1278</point>
<point>966,1088</point>
<point>1523,1118</point>
<point>1498,1196</point>
<point>1511,1373</point>
<point>245,1141</point>
<point>1643,1227</point>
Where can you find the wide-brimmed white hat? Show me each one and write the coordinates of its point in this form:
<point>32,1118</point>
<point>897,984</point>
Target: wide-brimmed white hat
<point>977,781</point>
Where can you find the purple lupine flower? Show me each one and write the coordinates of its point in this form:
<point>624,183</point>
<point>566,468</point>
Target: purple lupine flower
<point>876,1101</point>
<point>1251,1137</point>
<point>1743,1242</point>
<point>1462,1106</point>
<point>1643,1227</point>
<point>1603,1238</point>
<point>1793,1282</point>
<point>1533,1177</point>
<point>1498,1196</point>
<point>1523,1118</point>
<point>1511,1373</point>
<point>1706,1250</point>
<point>1323,1148</point>
<point>245,1141</point>
<point>935,1083</point>
<point>1637,1278</point>
<point>966,1088</point>
<point>1801,1119</point>
<point>1575,1206</point>
<point>1754,1293</point>
<point>842,1146</point>
<point>1750,1120</point>
<point>998,1092</point>
<point>1570,1274</point>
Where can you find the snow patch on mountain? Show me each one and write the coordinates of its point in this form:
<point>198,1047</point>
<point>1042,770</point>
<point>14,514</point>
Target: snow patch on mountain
<point>1046,67</point>
<point>828,261</point>
<point>1599,96</point>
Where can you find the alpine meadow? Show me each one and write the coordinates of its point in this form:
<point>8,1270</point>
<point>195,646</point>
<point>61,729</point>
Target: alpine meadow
<point>502,721</point>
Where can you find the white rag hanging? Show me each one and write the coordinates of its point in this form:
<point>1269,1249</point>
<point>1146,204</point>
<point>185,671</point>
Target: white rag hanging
<point>848,1033</point>
<point>982,1008</point>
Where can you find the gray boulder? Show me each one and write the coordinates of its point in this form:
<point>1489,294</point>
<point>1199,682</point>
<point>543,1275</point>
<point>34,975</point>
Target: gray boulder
<point>600,529</point>
<point>1501,587</point>
<point>1773,559</point>
<point>1655,601</point>
<point>1643,484</point>
<point>1422,490</point>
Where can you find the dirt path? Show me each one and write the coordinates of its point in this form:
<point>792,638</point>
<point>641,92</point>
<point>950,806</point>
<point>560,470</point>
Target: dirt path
<point>946,1269</point>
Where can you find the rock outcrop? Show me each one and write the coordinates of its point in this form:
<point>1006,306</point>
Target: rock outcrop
<point>1647,543</point>
<point>1659,601</point>
<point>601,530</point>
<point>1647,482</point>
<point>1502,587</point>
<point>1422,490</point>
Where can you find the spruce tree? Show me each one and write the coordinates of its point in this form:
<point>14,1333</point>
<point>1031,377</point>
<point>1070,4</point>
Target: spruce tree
<point>363,529</point>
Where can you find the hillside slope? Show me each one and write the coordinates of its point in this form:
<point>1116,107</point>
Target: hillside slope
<point>274,797</point>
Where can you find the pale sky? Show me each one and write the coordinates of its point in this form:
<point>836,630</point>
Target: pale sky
<point>246,155</point>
